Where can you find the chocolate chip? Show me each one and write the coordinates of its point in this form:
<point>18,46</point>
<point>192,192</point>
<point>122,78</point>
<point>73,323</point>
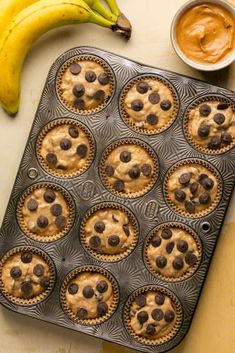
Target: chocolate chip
<point>79,103</point>
<point>222,106</point>
<point>27,288</point>
<point>190,206</point>
<point>26,257</point>
<point>56,209</point>
<point>125,156</point>
<point>99,227</point>
<point>202,177</point>
<point>73,288</point>
<point>82,313</point>
<point>119,185</point>
<point>161,261</point>
<point>142,316</point>
<point>90,76</point>
<point>51,158</point>
<point>140,300</point>
<point>193,188</point>
<point>169,316</point>
<point>32,205</point>
<point>15,272</point>
<point>215,143</point>
<point>226,138</point>
<point>219,118</point>
<point>180,195</point>
<point>73,132</point>
<point>109,170</point>
<point>114,218</point>
<point>49,196</point>
<point>157,314</point>
<point>126,230</point>
<point>134,173</point>
<point>184,179</point>
<point>152,119</point>
<point>170,247</point>
<point>150,330</point>
<point>159,299</point>
<point>102,286</point>
<point>142,87</point>
<point>182,246</point>
<point>60,222</point>
<point>207,183</point>
<point>154,98</point>
<point>42,222</point>
<point>102,308</point>
<point>205,198</point>
<point>156,241</point>
<point>82,150</point>
<point>99,95</point>
<point>62,167</point>
<point>166,234</point>
<point>45,281</point>
<point>75,69</point>
<point>203,130</point>
<point>95,242</point>
<point>205,110</point>
<point>146,169</point>
<point>78,90</point>
<point>165,104</point>
<point>137,105</point>
<point>190,258</point>
<point>88,292</point>
<point>113,240</point>
<point>103,79</point>
<point>38,270</point>
<point>178,263</point>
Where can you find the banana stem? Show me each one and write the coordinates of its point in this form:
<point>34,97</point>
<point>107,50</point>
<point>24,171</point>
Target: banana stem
<point>123,25</point>
<point>101,21</point>
<point>114,7</point>
<point>102,10</point>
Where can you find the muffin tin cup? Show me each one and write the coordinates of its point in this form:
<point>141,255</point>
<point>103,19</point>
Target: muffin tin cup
<point>176,306</point>
<point>191,269</point>
<point>45,238</point>
<point>61,122</point>
<point>191,140</point>
<point>129,141</point>
<point>109,257</point>
<point>39,298</point>
<point>217,199</point>
<point>90,269</point>
<point>125,116</point>
<point>77,59</point>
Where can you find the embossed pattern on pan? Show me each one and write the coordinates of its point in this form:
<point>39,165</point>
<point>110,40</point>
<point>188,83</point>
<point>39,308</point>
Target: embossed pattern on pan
<point>93,186</point>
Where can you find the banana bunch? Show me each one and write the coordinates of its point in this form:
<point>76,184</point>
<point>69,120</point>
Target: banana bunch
<point>22,22</point>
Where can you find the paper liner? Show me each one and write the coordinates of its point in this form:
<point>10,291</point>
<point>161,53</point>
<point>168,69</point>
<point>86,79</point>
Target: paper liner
<point>90,269</point>
<point>191,269</point>
<point>49,127</point>
<point>191,140</point>
<point>125,116</point>
<point>109,257</point>
<point>214,203</point>
<point>77,59</point>
<point>38,237</point>
<point>131,141</point>
<point>176,305</point>
<point>45,293</point>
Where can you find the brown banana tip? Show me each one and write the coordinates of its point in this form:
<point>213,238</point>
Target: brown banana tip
<point>123,26</point>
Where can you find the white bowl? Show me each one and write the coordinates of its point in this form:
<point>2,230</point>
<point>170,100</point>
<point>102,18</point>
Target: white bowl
<point>200,66</point>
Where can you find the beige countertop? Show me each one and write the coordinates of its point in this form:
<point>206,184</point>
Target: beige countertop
<point>212,330</point>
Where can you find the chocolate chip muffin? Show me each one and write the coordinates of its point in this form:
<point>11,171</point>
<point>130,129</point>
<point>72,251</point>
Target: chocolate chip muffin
<point>85,85</point>
<point>130,170</point>
<point>211,125</point>
<point>65,149</point>
<point>149,105</point>
<point>193,189</point>
<point>172,252</point>
<point>25,275</point>
<point>152,315</point>
<point>109,233</point>
<point>88,296</point>
<point>44,214</point>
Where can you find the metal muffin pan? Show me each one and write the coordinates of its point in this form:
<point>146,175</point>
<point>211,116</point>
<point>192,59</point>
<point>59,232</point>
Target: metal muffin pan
<point>151,210</point>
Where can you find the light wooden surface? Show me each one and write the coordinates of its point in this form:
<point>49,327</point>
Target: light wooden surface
<point>212,330</point>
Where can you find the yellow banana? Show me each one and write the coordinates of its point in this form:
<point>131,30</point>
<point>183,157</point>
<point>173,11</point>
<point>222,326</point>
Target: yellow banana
<point>25,29</point>
<point>101,9</point>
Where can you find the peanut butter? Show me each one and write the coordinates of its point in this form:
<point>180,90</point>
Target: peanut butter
<point>205,33</point>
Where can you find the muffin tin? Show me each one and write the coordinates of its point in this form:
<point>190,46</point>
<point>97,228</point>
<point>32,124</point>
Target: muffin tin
<point>89,191</point>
